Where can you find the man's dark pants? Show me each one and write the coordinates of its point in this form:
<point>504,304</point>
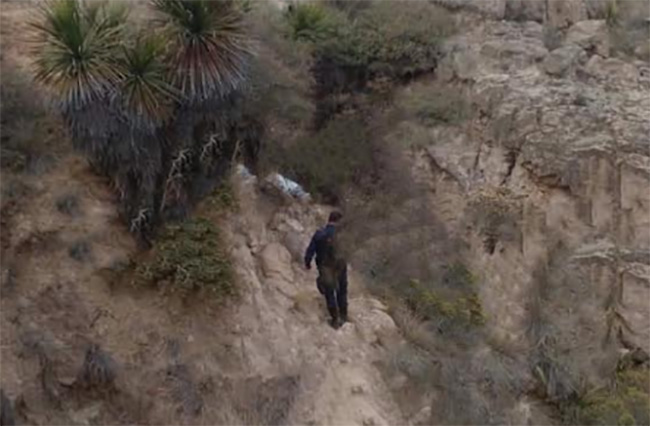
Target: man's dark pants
<point>336,296</point>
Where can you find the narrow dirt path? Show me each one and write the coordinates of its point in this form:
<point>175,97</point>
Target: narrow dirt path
<point>283,324</point>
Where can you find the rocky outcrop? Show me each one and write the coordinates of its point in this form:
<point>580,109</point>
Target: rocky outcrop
<point>556,13</point>
<point>592,36</point>
<point>563,14</point>
<point>563,137</point>
<point>559,14</point>
<point>562,60</point>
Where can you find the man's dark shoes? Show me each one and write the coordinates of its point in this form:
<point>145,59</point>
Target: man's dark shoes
<point>335,323</point>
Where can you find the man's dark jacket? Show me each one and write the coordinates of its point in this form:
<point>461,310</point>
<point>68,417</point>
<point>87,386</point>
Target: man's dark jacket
<point>318,246</point>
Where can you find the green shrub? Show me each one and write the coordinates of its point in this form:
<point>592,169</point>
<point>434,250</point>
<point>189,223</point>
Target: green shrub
<point>496,212</point>
<point>552,37</point>
<point>409,134</point>
<point>612,15</point>
<point>431,104</point>
<point>337,157</point>
<point>189,257</point>
<point>458,303</point>
<point>222,198</point>
<point>311,21</point>
<point>279,95</point>
<point>626,403</point>
<point>389,39</point>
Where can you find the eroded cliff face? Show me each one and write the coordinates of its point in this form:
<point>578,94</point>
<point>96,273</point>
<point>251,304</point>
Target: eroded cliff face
<point>555,13</point>
<point>553,177</point>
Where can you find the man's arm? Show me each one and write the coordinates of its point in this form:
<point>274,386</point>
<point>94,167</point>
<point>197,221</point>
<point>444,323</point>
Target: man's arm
<point>311,251</point>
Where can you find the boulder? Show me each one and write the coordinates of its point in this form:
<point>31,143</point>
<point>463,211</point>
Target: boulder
<point>276,262</point>
<point>533,29</point>
<point>563,14</point>
<point>493,8</point>
<point>596,9</point>
<point>525,10</point>
<point>562,60</point>
<point>461,64</point>
<point>593,36</point>
<point>612,70</point>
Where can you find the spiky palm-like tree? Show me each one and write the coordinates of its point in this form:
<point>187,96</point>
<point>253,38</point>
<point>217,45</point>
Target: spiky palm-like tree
<point>208,56</point>
<point>209,48</point>
<point>145,93</point>
<point>135,104</point>
<point>77,48</point>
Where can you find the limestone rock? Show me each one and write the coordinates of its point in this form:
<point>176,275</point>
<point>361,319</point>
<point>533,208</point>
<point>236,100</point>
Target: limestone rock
<point>461,65</point>
<point>525,10</point>
<point>423,417</point>
<point>492,8</point>
<point>87,415</point>
<point>591,35</point>
<point>276,262</point>
<point>563,14</point>
<point>561,60</point>
<point>611,70</point>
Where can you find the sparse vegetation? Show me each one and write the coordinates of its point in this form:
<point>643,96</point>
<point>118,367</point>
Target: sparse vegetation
<point>612,15</point>
<point>80,251</point>
<point>98,371</point>
<point>552,37</point>
<point>627,402</point>
<point>189,257</point>
<point>455,301</point>
<point>222,198</point>
<point>431,104</point>
<point>68,204</point>
<point>28,133</point>
<point>311,21</point>
<point>496,213</point>
<point>336,158</point>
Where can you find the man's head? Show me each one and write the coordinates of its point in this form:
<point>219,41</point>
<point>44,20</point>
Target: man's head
<point>335,216</point>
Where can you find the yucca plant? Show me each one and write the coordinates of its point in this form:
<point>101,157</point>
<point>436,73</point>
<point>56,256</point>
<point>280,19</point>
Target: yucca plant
<point>208,53</point>
<point>311,21</point>
<point>209,50</point>
<point>145,93</point>
<point>77,51</point>
<point>138,104</point>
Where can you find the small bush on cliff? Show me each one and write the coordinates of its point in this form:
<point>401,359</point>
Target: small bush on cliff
<point>454,303</point>
<point>189,257</point>
<point>496,213</point>
<point>431,104</point>
<point>626,403</point>
<point>388,39</point>
<point>311,21</point>
<point>332,160</point>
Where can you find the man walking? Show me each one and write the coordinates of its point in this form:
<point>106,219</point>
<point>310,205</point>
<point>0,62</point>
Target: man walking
<point>332,281</point>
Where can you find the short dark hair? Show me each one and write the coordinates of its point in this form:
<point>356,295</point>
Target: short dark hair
<point>335,216</point>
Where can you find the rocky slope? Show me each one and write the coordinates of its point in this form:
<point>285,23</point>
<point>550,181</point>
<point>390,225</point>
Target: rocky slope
<point>565,134</point>
<point>546,186</point>
<point>552,175</point>
<point>270,358</point>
